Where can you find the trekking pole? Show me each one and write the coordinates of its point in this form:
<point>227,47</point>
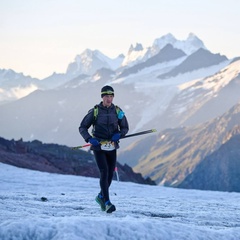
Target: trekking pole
<point>140,133</point>
<point>86,145</point>
<point>116,171</point>
<point>129,135</point>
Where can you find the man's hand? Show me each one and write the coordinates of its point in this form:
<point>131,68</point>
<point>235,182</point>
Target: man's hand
<point>94,141</point>
<point>116,137</point>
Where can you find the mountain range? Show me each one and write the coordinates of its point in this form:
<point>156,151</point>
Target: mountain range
<point>180,88</point>
<point>16,85</point>
<point>175,157</point>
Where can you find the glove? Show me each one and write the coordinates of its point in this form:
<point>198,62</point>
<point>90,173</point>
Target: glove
<point>116,137</point>
<point>94,141</point>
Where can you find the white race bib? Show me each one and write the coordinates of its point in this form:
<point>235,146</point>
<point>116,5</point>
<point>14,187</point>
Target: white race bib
<point>107,146</point>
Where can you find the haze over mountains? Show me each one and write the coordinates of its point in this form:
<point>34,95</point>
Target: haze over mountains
<point>175,153</point>
<point>88,62</point>
<point>178,87</point>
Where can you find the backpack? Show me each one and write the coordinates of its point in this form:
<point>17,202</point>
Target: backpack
<point>119,112</point>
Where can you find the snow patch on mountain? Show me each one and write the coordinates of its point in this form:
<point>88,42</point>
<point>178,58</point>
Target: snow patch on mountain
<point>208,87</point>
<point>216,81</point>
<point>148,75</point>
<point>160,93</point>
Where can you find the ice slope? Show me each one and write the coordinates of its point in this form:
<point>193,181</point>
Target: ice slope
<point>143,211</point>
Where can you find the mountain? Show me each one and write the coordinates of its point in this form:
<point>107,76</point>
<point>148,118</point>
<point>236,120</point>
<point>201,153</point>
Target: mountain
<point>55,158</point>
<point>188,46</point>
<point>200,59</point>
<point>103,74</point>
<point>198,88</point>
<point>179,101</point>
<point>15,85</point>
<point>55,80</point>
<point>166,54</point>
<point>171,156</point>
<point>90,61</point>
<point>139,54</point>
<point>134,55</point>
<point>54,115</point>
<point>218,171</point>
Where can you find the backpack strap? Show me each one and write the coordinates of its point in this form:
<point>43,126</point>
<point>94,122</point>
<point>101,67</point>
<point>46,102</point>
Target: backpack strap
<point>120,113</point>
<point>117,109</point>
<point>95,113</point>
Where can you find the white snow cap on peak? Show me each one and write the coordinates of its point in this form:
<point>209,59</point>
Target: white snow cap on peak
<point>164,40</point>
<point>134,55</point>
<point>138,53</point>
<point>189,46</point>
<point>89,61</point>
<point>195,41</point>
<point>137,48</point>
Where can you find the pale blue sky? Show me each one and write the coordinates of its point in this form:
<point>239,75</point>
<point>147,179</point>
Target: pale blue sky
<point>39,37</point>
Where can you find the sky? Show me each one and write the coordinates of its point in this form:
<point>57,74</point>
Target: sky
<point>45,206</point>
<point>43,36</point>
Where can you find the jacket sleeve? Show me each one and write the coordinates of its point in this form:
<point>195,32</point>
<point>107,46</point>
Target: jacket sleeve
<point>86,124</point>
<point>123,125</point>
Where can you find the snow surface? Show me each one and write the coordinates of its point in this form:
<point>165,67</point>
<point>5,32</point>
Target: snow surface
<point>143,211</point>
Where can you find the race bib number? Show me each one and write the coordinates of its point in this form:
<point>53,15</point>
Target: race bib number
<point>108,146</point>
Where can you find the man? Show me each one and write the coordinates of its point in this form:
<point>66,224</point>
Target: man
<point>109,125</point>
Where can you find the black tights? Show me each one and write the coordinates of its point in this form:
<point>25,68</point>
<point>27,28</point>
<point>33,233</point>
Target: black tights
<point>106,162</point>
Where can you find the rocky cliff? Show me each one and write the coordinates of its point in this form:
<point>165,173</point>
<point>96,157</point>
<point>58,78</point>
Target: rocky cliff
<point>219,171</point>
<point>60,159</point>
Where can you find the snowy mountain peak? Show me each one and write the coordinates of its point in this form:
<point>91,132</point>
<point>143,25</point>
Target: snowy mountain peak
<point>87,56</point>
<point>190,45</point>
<point>194,41</point>
<point>121,56</point>
<point>191,35</point>
<point>161,42</point>
<point>10,75</point>
<point>87,52</point>
<point>135,55</point>
<point>138,47</point>
<point>139,54</point>
<point>15,85</point>
<point>88,62</point>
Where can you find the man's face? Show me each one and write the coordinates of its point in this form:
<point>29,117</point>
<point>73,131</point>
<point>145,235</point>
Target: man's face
<point>107,100</point>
